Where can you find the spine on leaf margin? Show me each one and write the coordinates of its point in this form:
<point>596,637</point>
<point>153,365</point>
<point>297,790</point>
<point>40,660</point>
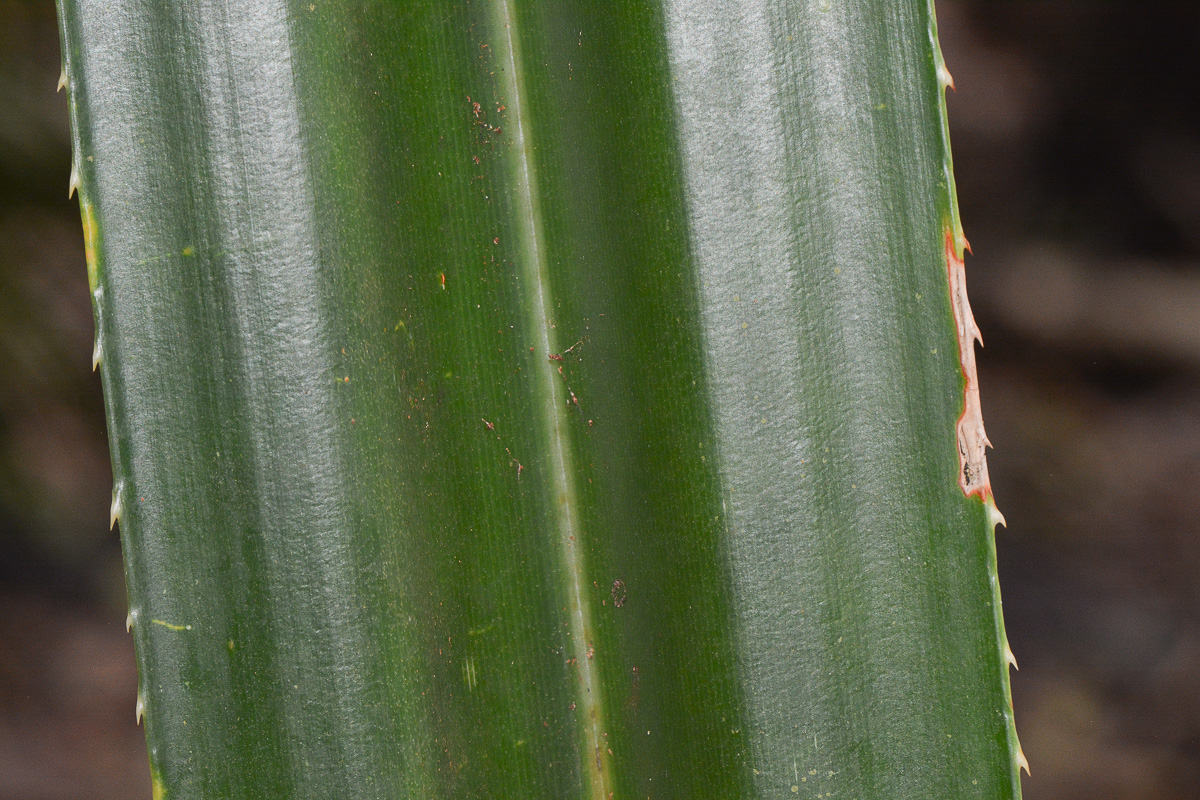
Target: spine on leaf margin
<point>93,243</point>
<point>972,440</point>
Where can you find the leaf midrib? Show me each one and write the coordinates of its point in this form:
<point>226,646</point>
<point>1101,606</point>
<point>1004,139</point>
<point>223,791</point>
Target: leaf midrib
<point>552,413</point>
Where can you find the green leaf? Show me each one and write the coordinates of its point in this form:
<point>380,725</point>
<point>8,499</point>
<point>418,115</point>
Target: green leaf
<point>541,399</point>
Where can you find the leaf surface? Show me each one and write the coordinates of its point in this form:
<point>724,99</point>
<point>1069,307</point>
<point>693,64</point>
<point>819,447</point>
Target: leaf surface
<point>539,399</point>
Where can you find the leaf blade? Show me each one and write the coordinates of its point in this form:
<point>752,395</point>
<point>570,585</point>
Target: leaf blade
<point>354,376</point>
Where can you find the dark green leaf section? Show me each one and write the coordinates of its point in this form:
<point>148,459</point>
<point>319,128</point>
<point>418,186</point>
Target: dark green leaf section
<point>537,399</point>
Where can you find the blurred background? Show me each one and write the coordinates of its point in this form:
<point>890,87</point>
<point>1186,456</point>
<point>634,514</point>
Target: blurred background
<point>1076,130</point>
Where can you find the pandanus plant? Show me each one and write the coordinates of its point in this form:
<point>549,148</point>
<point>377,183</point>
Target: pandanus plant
<point>541,398</point>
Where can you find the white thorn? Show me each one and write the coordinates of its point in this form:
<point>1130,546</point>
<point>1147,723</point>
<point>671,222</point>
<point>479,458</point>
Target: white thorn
<point>129,621</point>
<point>1009,657</point>
<point>944,76</point>
<point>114,511</point>
<point>96,353</point>
<point>140,709</point>
<point>994,516</point>
<point>1023,762</point>
<point>62,80</point>
<point>74,182</point>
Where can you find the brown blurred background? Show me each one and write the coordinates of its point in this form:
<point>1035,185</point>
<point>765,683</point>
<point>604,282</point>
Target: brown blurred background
<point>1076,131</point>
